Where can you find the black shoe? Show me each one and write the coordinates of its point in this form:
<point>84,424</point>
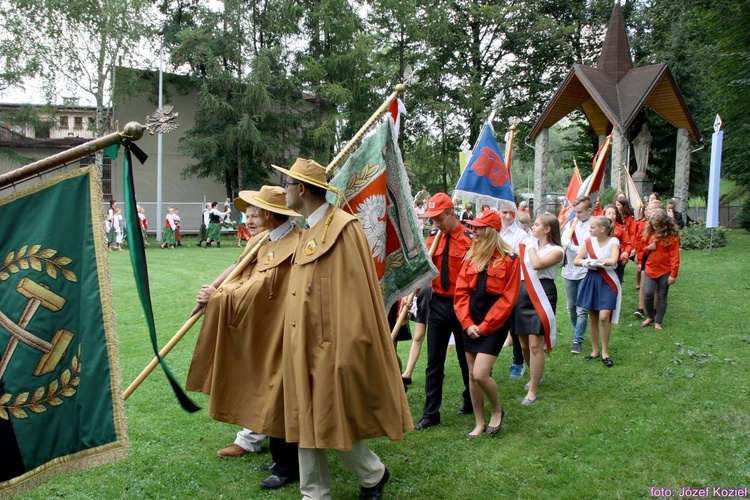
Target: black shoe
<point>269,467</point>
<point>218,244</point>
<point>374,492</point>
<point>465,410</point>
<point>273,482</point>
<point>425,423</point>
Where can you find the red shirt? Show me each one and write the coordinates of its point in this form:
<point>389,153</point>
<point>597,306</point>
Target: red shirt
<point>665,259</point>
<point>460,241</point>
<point>638,242</point>
<point>503,278</point>
<point>621,233</point>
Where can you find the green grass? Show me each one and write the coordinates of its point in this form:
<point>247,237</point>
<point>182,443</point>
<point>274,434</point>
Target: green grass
<point>674,410</point>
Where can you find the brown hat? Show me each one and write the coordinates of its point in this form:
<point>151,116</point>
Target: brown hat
<point>308,171</point>
<point>271,198</point>
<point>438,204</point>
<point>489,218</point>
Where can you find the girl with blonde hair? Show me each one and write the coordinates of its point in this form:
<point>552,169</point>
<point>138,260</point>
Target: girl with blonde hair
<point>486,292</point>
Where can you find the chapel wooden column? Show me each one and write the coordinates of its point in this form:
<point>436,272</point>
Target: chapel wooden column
<point>682,170</point>
<point>619,159</point>
<point>541,158</point>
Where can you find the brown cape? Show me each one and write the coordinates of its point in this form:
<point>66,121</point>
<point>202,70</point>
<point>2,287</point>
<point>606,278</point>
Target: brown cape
<point>341,376</point>
<point>238,355</point>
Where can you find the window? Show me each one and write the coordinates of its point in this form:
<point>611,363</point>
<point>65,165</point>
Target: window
<point>92,123</point>
<point>106,171</point>
<point>78,122</point>
<point>63,122</point>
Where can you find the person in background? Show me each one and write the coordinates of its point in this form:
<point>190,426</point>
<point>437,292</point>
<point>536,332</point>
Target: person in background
<point>598,210</point>
<point>178,226</point>
<point>621,233</point>
<point>143,224</point>
<point>674,214</point>
<point>640,244</point>
<point>574,233</point>
<point>512,234</point>
<point>238,355</point>
<point>467,214</point>
<point>455,241</point>
<point>600,292</point>
<point>420,329</point>
<point>523,207</point>
<point>662,265</point>
<point>215,218</point>
<point>167,234</point>
<point>117,224</point>
<point>542,255</point>
<point>486,293</point>
<point>203,233</point>
<point>242,231</point>
<point>524,220</point>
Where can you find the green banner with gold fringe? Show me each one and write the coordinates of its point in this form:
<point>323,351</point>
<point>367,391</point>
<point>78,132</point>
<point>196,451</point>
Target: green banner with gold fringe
<point>61,407</point>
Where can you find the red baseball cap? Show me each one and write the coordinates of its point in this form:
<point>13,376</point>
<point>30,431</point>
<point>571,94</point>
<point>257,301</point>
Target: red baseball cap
<point>438,204</point>
<point>489,218</point>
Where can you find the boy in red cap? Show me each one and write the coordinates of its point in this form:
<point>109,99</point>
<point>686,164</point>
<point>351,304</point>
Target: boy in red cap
<point>442,322</point>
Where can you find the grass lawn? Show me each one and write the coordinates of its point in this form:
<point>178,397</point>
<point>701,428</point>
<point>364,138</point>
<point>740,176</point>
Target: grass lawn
<point>674,410</point>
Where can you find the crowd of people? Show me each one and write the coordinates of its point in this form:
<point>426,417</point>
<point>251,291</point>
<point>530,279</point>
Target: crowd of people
<point>305,319</point>
<point>507,297</point>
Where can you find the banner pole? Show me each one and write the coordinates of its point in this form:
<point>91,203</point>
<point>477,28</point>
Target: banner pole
<point>407,305</point>
<point>354,142</point>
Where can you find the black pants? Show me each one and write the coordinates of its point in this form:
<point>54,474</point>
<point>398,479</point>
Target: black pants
<point>441,324</point>
<point>285,457</point>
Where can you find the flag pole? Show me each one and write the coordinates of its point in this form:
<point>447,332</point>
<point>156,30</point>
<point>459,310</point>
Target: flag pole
<point>354,142</point>
<point>407,305</point>
<point>509,147</point>
<point>238,270</point>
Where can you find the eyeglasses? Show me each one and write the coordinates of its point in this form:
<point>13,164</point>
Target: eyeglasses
<point>287,184</point>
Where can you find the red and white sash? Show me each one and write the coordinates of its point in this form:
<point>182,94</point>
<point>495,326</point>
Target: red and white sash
<point>610,278</point>
<point>539,299</point>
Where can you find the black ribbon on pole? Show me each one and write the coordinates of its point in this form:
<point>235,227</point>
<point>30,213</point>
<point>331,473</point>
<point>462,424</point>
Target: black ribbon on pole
<point>140,268</point>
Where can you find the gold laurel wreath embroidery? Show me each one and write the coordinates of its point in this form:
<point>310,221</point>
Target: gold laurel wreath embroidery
<point>65,387</point>
<point>360,180</point>
<point>36,258</point>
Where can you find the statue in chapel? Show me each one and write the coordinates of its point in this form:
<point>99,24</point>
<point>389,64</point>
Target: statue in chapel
<point>642,146</point>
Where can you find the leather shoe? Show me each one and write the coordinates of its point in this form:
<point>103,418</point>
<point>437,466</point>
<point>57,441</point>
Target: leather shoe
<point>374,492</point>
<point>425,423</point>
<point>232,451</point>
<point>273,482</point>
<point>465,410</point>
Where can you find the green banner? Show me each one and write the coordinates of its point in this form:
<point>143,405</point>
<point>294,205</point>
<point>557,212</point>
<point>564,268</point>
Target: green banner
<point>61,407</point>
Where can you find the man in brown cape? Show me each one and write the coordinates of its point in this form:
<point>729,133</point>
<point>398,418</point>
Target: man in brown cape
<point>341,378</point>
<point>238,355</point>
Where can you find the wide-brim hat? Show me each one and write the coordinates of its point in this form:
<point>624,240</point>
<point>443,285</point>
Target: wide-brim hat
<point>308,171</point>
<point>271,198</point>
<point>490,218</point>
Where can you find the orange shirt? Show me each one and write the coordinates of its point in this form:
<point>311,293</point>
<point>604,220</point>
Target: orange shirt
<point>460,241</point>
<point>622,235</point>
<point>665,259</point>
<point>503,278</point>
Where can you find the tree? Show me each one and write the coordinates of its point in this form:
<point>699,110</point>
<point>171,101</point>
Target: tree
<point>75,45</point>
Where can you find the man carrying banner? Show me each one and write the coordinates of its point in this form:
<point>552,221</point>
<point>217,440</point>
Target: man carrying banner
<point>238,355</point>
<point>575,232</point>
<point>449,255</point>
<point>341,379</point>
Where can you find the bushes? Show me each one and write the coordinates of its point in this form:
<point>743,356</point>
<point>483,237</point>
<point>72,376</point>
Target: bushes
<point>697,236</point>
<point>744,217</point>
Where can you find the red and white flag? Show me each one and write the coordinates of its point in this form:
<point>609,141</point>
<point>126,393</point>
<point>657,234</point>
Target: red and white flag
<point>396,109</point>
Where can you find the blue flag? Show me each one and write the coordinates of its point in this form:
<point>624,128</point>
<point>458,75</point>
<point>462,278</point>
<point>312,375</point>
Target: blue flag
<point>486,179</point>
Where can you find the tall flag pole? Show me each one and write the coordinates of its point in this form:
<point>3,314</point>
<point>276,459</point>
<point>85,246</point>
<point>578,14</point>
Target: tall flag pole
<point>714,179</point>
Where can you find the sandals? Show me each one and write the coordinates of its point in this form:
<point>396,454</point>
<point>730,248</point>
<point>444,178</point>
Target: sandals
<point>608,362</point>
<point>491,430</point>
<point>590,357</point>
<point>529,401</point>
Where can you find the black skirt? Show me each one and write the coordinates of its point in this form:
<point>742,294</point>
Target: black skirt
<point>491,344</point>
<point>527,320</point>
